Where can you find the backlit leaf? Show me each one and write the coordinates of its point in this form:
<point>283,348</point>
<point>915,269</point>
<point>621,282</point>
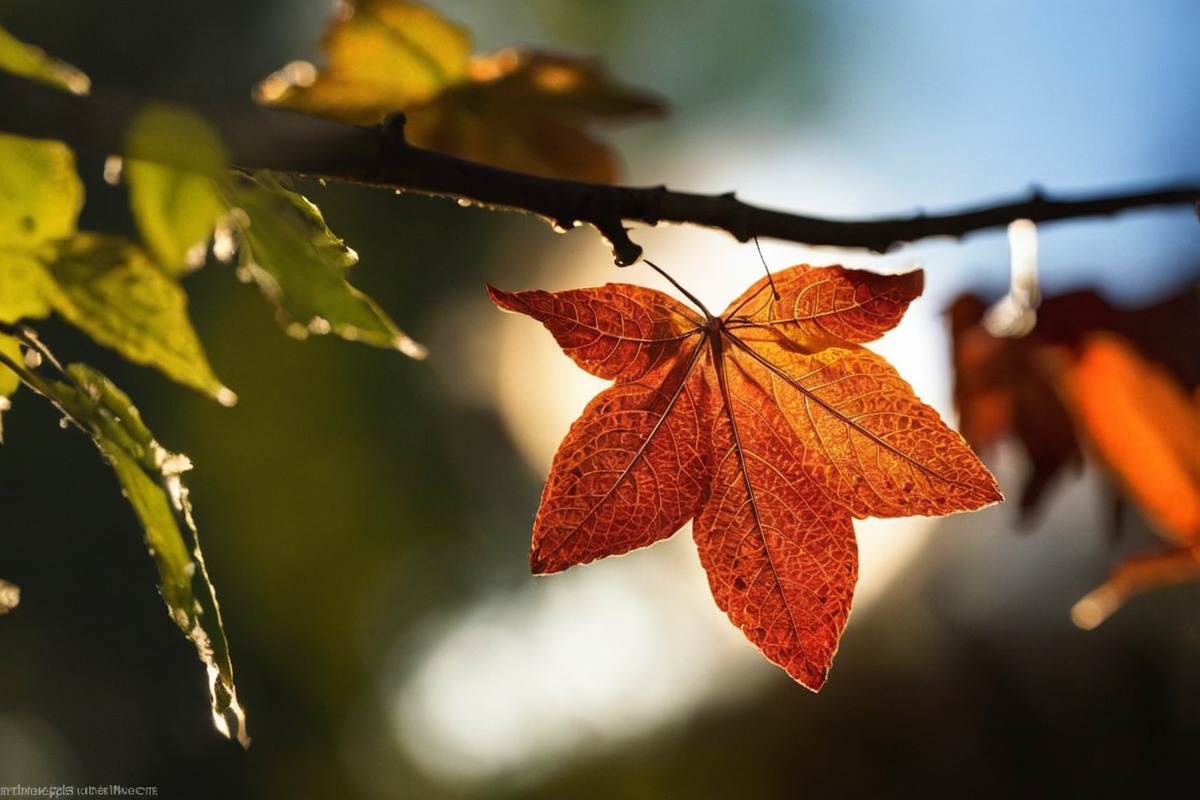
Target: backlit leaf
<point>1145,427</point>
<point>300,266</point>
<point>770,427</point>
<point>31,62</point>
<point>1122,386</point>
<point>40,193</point>
<point>10,351</point>
<point>381,56</point>
<point>531,112</point>
<point>109,288</point>
<point>40,198</point>
<point>150,479</point>
<point>516,109</point>
<point>174,161</point>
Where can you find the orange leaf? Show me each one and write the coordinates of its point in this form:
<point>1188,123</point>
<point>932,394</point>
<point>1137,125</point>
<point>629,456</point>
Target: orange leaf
<point>1134,575</point>
<point>1123,382</point>
<point>1144,427</point>
<point>517,109</point>
<point>770,426</point>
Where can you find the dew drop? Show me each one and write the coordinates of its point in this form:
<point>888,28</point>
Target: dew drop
<point>112,169</point>
<point>297,331</point>
<point>10,596</point>
<point>33,359</point>
<point>411,347</point>
<point>195,256</point>
<point>227,397</point>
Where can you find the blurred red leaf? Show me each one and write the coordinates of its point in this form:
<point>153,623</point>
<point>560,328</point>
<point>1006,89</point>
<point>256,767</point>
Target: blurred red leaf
<point>1121,385</point>
<point>770,426</point>
<point>1004,385</point>
<point>518,109</point>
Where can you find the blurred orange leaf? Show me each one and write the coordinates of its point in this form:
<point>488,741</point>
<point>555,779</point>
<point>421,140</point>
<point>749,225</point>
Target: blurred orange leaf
<point>1144,427</point>
<point>382,56</point>
<point>516,109</point>
<point>771,427</point>
<point>1123,385</point>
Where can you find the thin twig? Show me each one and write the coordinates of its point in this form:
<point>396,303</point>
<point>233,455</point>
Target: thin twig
<point>380,156</point>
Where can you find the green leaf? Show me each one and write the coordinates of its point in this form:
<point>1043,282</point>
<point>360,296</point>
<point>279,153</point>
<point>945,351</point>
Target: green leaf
<point>10,351</point>
<point>40,193</point>
<point>150,479</point>
<point>40,198</point>
<point>174,160</point>
<point>26,289</point>
<point>300,266</point>
<point>109,288</point>
<point>31,62</point>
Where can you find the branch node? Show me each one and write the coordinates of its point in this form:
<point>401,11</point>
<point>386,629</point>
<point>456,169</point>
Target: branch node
<point>393,124</point>
<point>626,252</point>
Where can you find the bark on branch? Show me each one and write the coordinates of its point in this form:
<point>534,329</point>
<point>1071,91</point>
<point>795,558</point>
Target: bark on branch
<point>380,156</point>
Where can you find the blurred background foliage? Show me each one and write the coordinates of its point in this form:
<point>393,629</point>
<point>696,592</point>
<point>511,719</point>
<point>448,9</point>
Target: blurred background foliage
<point>354,504</point>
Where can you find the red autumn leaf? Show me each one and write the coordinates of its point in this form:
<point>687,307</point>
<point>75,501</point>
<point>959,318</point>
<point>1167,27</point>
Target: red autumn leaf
<point>1003,384</point>
<point>1016,384</point>
<point>771,427</point>
<point>1124,385</point>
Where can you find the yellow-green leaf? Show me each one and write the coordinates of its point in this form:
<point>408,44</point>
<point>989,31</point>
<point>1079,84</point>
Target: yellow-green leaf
<point>300,266</point>
<point>40,193</point>
<point>517,109</point>
<point>31,62</point>
<point>109,288</point>
<point>174,159</point>
<point>150,479</point>
<point>40,198</point>
<point>10,352</point>
<point>382,56</point>
<point>26,290</point>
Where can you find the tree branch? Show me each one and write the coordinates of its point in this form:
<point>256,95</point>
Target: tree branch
<point>380,156</point>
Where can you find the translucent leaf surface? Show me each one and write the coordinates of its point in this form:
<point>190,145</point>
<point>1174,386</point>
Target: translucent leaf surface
<point>300,266</point>
<point>10,351</point>
<point>381,56</point>
<point>109,288</point>
<point>150,479</point>
<point>514,108</point>
<point>1120,385</point>
<point>40,193</point>
<point>31,62</point>
<point>770,427</point>
<point>174,161</point>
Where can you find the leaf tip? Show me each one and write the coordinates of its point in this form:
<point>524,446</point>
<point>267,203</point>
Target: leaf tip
<point>538,564</point>
<point>507,301</point>
<point>1095,607</point>
<point>411,347</point>
<point>226,396</point>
